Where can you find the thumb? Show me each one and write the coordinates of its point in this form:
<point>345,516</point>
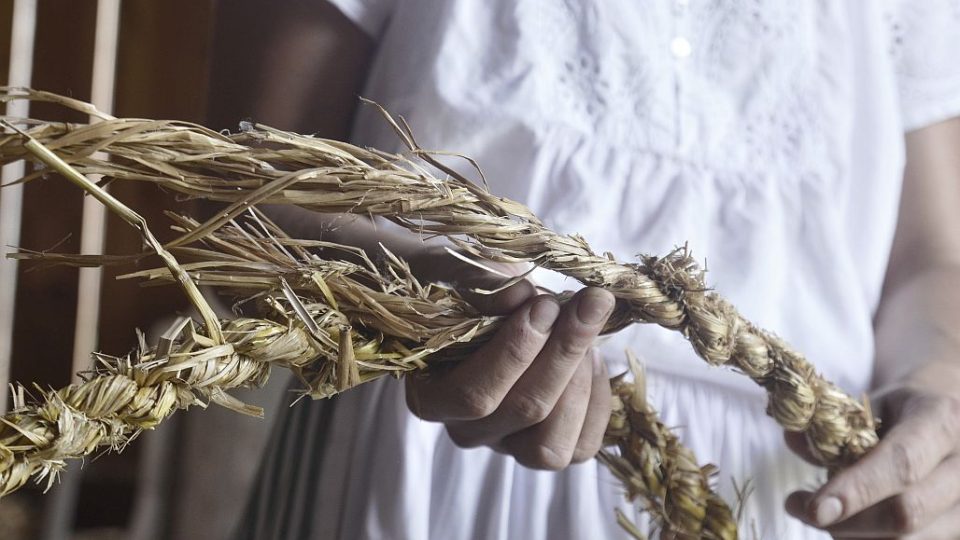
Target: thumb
<point>501,302</point>
<point>437,263</point>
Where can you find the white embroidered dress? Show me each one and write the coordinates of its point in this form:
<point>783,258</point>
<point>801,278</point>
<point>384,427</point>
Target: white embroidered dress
<point>766,134</point>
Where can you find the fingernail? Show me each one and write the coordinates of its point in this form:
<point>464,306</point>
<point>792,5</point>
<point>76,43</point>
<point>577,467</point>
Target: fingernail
<point>594,306</point>
<point>827,511</point>
<point>543,313</point>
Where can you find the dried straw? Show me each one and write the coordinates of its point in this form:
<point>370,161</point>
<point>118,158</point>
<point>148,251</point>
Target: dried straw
<point>678,493</point>
<point>335,324</point>
<point>264,165</point>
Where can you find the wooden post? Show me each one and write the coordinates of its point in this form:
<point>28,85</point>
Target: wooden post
<point>62,503</point>
<point>24,25</point>
<point>93,224</point>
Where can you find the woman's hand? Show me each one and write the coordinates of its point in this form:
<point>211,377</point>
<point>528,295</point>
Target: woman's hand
<point>537,390</point>
<point>908,486</point>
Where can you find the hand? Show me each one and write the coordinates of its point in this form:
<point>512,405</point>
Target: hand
<point>537,390</point>
<point>908,486</point>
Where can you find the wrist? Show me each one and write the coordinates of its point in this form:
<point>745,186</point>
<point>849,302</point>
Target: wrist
<point>935,376</point>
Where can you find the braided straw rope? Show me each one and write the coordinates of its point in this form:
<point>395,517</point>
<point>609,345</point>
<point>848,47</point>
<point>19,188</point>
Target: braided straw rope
<point>263,165</point>
<point>335,324</point>
<point>677,493</point>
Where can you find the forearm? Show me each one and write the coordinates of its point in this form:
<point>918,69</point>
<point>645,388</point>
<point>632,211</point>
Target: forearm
<point>297,65</point>
<point>918,320</point>
<point>302,72</point>
<point>918,328</point>
<point>357,231</point>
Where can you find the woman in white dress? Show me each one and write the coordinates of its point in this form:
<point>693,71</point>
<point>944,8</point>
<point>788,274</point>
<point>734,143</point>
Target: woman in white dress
<point>770,136</point>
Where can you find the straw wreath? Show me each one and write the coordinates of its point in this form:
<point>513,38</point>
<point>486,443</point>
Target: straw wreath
<point>264,165</point>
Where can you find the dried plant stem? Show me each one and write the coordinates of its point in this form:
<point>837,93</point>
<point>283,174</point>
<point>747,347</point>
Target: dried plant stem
<point>48,158</point>
<point>124,396</point>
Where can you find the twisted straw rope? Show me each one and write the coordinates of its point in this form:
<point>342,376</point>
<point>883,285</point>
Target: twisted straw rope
<point>264,165</point>
<point>123,397</point>
<point>678,490</point>
<point>335,324</point>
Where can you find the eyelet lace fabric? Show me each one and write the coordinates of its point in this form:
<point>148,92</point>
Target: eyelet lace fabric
<point>615,75</point>
<point>923,44</point>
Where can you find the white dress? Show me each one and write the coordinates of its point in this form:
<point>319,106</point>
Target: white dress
<point>766,134</point>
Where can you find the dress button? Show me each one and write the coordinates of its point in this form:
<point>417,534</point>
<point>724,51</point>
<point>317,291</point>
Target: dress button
<point>680,47</point>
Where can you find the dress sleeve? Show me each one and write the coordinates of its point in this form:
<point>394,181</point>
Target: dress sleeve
<point>370,15</point>
<point>926,49</point>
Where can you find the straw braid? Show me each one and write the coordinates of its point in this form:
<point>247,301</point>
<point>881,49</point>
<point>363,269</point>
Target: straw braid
<point>270,166</point>
<point>403,324</point>
<point>676,491</point>
<point>330,176</point>
<point>124,397</point>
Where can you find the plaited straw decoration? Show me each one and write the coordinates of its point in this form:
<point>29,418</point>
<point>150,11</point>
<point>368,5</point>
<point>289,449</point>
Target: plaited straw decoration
<point>264,165</point>
<point>336,324</point>
<point>663,487</point>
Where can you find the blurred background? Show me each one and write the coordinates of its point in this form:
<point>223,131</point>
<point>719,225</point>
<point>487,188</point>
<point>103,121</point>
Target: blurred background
<point>189,478</point>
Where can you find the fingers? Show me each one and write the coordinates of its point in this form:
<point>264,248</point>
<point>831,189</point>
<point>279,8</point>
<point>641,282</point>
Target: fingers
<point>500,303</point>
<point>796,505</point>
<point>598,411</point>
<point>576,329</point>
<point>533,397</point>
<point>870,523</point>
<point>476,386</point>
<point>797,442</point>
<point>573,433</point>
<point>907,512</point>
<point>925,502</point>
<point>908,453</point>
<point>551,444</point>
<point>536,390</point>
